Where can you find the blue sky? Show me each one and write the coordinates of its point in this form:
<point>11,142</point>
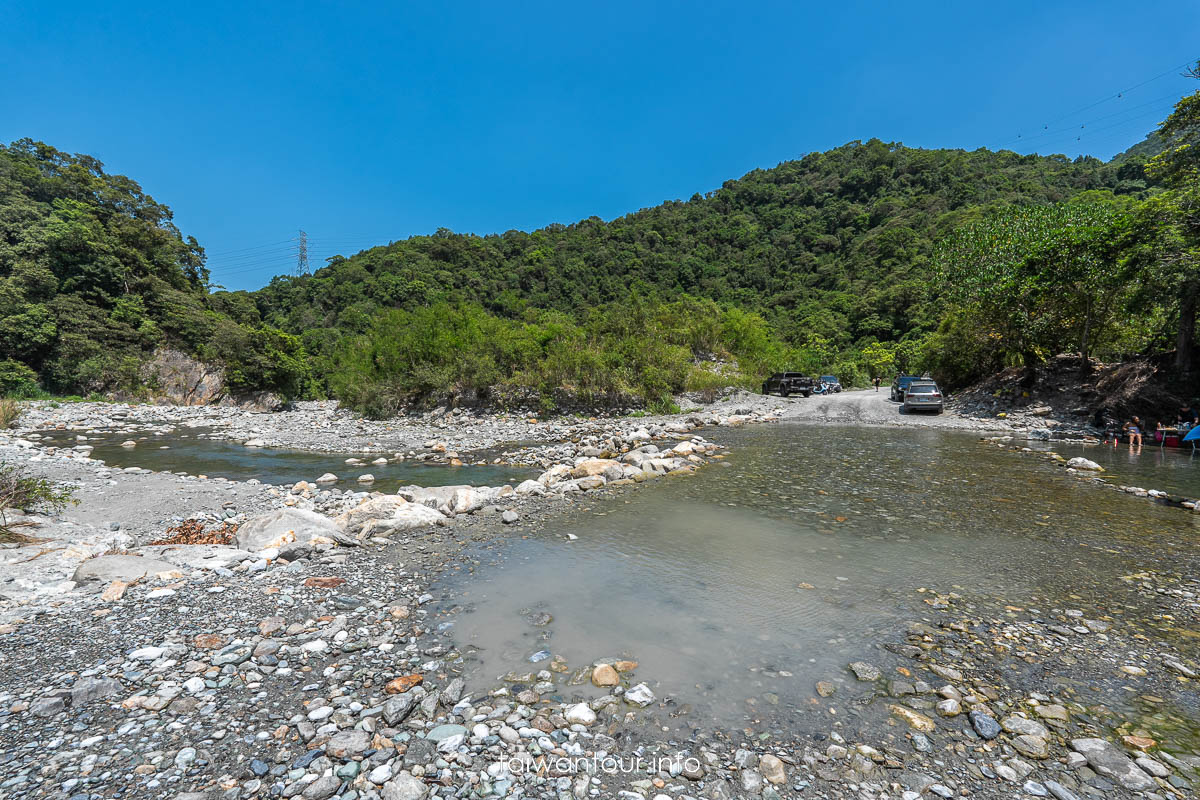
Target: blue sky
<point>363,124</point>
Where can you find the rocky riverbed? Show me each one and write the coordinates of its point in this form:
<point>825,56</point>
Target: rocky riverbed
<point>443,434</point>
<point>307,658</point>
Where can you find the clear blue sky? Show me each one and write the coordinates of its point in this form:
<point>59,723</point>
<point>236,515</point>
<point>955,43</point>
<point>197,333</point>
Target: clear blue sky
<point>363,123</point>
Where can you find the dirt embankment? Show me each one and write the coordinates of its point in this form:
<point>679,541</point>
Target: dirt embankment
<point>1062,391</point>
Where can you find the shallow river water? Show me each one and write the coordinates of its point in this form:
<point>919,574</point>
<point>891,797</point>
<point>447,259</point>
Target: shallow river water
<point>219,458</point>
<point>742,585</point>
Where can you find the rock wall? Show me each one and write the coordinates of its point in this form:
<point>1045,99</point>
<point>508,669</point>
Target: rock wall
<point>179,379</point>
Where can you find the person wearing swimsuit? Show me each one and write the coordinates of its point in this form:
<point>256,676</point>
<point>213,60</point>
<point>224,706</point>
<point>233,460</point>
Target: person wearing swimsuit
<point>1133,429</point>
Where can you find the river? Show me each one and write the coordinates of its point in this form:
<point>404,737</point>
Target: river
<point>738,588</point>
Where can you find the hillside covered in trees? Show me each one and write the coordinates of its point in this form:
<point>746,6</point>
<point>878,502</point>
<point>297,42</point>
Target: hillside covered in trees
<point>94,277</point>
<point>825,263</point>
<point>862,260</point>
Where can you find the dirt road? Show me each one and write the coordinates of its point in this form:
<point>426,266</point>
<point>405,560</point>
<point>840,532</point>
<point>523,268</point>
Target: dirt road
<point>868,407</point>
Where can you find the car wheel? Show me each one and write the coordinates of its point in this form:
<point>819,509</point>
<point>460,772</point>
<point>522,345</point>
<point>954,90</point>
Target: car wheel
<point>808,394</point>
<point>783,393</point>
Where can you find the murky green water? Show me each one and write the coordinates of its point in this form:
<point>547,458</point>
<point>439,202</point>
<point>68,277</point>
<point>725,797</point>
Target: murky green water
<point>1168,469</point>
<point>218,458</point>
<point>741,586</point>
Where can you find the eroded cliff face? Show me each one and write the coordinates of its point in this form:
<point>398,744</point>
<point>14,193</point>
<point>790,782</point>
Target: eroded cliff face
<point>183,380</point>
<point>177,378</point>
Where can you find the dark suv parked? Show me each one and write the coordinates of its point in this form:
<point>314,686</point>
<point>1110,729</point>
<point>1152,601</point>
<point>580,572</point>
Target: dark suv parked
<point>785,383</point>
<point>900,386</point>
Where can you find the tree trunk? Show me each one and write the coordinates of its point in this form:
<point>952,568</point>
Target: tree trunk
<point>1186,340</point>
<point>1086,366</point>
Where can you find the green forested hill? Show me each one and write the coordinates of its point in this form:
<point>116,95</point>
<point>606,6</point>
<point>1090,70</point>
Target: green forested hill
<point>825,263</point>
<point>801,266</point>
<point>836,244</point>
<point>94,277</point>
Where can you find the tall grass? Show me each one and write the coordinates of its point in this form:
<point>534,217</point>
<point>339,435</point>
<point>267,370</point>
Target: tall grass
<point>10,412</point>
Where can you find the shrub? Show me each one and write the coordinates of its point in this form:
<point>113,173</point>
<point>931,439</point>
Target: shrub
<point>21,492</point>
<point>10,410</point>
<point>17,380</point>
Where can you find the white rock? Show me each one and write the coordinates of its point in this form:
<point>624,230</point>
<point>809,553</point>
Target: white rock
<point>381,774</point>
<point>640,695</point>
<point>530,487</point>
<point>580,714</point>
<point>147,653</point>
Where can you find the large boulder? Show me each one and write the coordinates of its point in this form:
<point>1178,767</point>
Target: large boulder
<point>469,499</point>
<point>375,508</point>
<point>405,518</point>
<point>1079,462</point>
<point>287,526</point>
<point>604,467</point>
<point>473,498</point>
<point>196,556</point>
<point>531,487</point>
<point>438,497</point>
<point>96,573</point>
<point>556,474</point>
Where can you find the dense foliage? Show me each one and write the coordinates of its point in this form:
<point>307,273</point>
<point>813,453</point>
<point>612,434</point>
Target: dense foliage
<point>94,277</point>
<point>1098,273</point>
<point>831,255</point>
<point>869,258</point>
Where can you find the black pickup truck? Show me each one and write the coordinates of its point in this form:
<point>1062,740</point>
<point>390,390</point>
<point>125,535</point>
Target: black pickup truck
<point>785,383</point>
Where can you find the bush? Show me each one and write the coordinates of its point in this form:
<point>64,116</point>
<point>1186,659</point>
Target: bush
<point>21,492</point>
<point>262,359</point>
<point>17,380</point>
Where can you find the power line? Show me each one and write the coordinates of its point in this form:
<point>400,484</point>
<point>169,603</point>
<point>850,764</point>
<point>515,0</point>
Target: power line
<point>1120,95</point>
<point>256,247</point>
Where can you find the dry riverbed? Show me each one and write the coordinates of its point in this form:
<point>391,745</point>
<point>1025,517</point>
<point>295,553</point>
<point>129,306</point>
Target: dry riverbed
<point>305,659</point>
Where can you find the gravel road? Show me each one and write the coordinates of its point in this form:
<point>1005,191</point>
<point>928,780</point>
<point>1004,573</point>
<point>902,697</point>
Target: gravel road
<point>868,407</point>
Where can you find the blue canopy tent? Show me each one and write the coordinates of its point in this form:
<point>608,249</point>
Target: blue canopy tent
<point>1193,436</point>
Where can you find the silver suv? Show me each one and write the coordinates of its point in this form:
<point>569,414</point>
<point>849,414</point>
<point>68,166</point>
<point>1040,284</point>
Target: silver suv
<point>922,396</point>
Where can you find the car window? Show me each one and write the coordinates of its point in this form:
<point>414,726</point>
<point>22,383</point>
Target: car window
<point>922,388</point>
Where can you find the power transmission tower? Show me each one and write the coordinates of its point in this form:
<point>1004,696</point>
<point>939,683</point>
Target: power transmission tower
<point>302,255</point>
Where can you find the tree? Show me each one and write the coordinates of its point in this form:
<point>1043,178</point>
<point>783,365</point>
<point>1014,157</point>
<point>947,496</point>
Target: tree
<point>1031,273</point>
<point>1171,228</point>
<point>879,359</point>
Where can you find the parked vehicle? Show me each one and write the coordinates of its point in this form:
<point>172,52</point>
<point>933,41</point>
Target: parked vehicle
<point>922,396</point>
<point>831,380</point>
<point>900,385</point>
<point>786,383</point>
